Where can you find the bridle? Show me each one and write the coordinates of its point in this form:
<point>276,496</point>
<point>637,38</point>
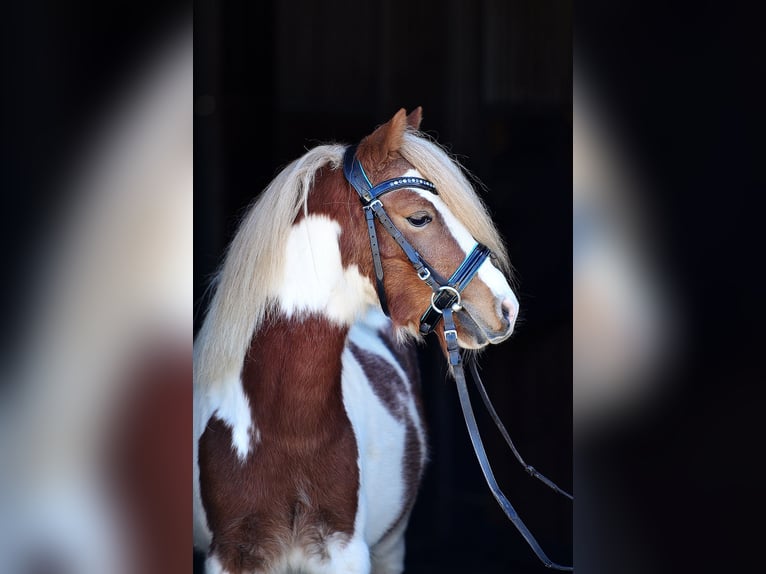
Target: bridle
<point>445,301</point>
<point>446,293</point>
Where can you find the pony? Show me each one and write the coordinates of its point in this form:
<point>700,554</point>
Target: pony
<point>309,437</point>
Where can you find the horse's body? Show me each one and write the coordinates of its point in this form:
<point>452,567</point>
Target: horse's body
<point>309,438</point>
<point>359,434</point>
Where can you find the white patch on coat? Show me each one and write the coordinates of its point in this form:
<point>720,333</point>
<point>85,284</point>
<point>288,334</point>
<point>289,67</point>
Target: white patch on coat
<point>314,279</point>
<point>365,334</point>
<point>344,556</point>
<point>228,403</point>
<point>347,557</point>
<point>201,530</point>
<point>214,566</point>
<point>380,437</point>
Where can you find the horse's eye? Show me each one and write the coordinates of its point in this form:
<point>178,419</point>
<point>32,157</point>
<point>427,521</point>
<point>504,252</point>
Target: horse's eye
<point>419,219</point>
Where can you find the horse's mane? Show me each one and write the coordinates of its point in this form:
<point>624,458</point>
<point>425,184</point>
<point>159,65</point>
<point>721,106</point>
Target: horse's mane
<point>247,283</point>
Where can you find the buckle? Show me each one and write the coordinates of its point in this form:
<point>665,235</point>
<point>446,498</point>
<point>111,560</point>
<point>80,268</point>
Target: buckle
<point>372,203</point>
<point>423,276</point>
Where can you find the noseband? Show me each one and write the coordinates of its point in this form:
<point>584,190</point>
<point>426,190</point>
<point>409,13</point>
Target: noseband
<point>445,300</point>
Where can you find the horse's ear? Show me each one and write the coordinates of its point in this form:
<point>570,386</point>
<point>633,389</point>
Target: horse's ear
<point>387,138</point>
<point>415,117</point>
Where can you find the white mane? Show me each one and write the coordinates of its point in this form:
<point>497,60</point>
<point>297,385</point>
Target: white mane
<point>247,282</point>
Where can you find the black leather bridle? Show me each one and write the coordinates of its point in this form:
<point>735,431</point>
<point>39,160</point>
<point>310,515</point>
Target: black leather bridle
<point>445,301</point>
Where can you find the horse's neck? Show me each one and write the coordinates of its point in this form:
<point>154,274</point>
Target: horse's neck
<point>293,370</point>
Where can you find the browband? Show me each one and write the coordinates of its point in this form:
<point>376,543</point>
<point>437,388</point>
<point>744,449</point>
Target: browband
<point>354,172</point>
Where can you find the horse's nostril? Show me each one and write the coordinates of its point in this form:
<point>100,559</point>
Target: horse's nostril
<point>509,309</point>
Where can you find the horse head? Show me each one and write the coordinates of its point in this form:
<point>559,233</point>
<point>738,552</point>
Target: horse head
<point>443,226</point>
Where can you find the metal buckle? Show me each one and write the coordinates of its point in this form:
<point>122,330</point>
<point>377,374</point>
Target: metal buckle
<point>424,276</point>
<point>448,331</point>
<point>456,306</point>
<point>373,202</point>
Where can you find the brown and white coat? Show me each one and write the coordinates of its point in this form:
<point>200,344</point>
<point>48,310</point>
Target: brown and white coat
<point>309,439</point>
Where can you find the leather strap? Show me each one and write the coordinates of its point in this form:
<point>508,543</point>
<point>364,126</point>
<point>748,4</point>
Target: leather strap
<point>450,335</point>
<point>478,446</point>
<point>357,177</point>
<point>422,268</point>
<point>369,216</point>
<point>501,427</point>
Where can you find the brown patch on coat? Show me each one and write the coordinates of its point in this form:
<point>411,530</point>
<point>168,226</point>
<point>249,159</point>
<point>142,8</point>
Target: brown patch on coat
<point>412,472</point>
<point>414,450</point>
<point>407,357</point>
<point>300,482</point>
<point>384,380</point>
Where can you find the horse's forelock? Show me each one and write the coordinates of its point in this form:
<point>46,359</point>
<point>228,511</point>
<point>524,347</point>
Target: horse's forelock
<point>438,166</point>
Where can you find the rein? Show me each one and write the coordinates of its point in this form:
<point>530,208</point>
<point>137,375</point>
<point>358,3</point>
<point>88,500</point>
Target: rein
<point>445,301</point>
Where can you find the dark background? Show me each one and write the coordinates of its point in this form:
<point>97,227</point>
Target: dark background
<point>494,79</point>
<point>679,489</point>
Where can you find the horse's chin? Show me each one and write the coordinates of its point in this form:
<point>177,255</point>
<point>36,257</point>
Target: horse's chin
<point>472,342</point>
<point>469,334</point>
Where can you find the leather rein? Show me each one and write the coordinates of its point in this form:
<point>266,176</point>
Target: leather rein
<point>445,301</point>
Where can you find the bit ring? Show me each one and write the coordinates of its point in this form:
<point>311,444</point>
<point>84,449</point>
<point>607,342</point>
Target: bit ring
<point>456,306</point>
